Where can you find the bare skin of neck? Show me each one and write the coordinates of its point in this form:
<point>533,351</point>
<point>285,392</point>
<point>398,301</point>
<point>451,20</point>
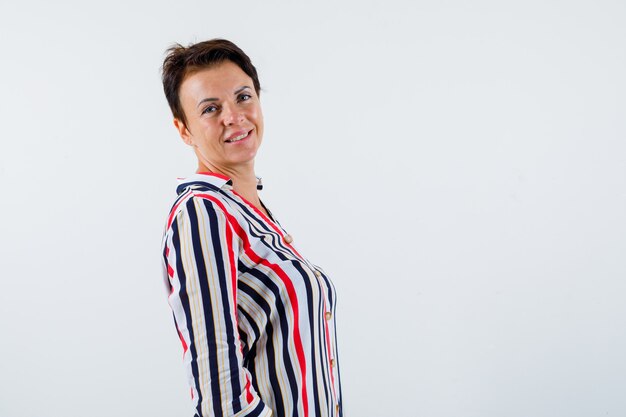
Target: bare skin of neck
<point>244,182</point>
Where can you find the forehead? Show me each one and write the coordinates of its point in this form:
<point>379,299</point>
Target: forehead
<point>215,81</point>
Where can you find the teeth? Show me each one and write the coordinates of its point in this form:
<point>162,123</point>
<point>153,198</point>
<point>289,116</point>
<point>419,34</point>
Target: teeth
<point>235,139</point>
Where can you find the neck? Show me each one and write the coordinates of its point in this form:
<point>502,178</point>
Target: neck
<point>243,178</point>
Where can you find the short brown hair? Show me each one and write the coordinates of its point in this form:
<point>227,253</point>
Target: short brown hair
<point>181,61</point>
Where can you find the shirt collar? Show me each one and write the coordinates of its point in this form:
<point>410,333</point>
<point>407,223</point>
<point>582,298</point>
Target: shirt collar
<point>212,178</point>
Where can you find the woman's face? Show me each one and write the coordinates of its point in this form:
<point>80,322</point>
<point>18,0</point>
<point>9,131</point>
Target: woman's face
<point>224,118</point>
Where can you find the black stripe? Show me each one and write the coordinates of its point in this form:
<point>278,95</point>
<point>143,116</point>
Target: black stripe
<point>321,331</point>
<point>330,290</point>
<point>243,337</point>
<point>262,228</point>
<point>311,318</point>
<point>197,186</point>
<point>207,301</point>
<point>258,410</point>
<point>323,347</point>
<point>224,280</point>
<point>310,305</point>
<point>269,351</point>
<point>284,328</point>
<point>180,196</point>
<point>271,300</point>
<point>248,359</point>
<point>339,397</point>
<point>184,299</point>
<point>251,343</point>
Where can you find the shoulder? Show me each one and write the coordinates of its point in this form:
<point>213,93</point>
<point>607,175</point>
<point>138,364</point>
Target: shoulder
<point>195,204</point>
<point>203,195</point>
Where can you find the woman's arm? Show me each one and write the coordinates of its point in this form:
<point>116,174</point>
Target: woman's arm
<point>201,260</point>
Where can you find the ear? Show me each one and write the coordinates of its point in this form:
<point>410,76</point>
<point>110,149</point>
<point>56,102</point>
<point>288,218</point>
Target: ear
<point>184,133</point>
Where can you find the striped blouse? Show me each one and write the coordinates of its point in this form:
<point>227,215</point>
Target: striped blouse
<point>256,319</point>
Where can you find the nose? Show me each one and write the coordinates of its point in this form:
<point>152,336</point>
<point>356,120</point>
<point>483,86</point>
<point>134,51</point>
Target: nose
<point>232,115</point>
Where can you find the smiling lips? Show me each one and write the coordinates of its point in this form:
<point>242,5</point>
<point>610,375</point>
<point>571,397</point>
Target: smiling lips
<point>239,136</point>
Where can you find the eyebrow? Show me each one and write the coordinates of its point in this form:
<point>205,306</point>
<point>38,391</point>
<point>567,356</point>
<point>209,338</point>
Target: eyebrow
<point>241,89</point>
<point>204,100</point>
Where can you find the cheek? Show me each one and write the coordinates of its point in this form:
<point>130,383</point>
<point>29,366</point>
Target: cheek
<point>258,117</point>
<point>210,130</point>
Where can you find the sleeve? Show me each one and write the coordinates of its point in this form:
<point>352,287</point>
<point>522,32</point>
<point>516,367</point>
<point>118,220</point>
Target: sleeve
<point>201,262</point>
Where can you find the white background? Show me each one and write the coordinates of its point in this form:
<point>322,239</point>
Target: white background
<point>459,168</point>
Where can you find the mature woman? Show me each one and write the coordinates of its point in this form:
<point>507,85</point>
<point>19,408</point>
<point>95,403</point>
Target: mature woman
<point>256,319</point>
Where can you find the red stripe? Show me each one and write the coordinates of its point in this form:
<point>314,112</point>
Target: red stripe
<point>231,260</point>
<point>233,279</point>
<point>291,291</point>
<point>231,257</point>
<point>175,208</point>
<point>249,396</point>
<point>182,340</point>
<point>170,270</point>
<point>214,174</point>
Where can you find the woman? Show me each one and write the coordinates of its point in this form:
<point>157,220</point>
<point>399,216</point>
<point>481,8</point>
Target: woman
<point>255,318</point>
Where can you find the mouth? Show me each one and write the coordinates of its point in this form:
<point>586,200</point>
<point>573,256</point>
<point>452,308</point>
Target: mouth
<point>238,136</point>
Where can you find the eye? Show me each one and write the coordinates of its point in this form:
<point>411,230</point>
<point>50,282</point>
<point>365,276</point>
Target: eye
<point>244,97</point>
<point>210,109</point>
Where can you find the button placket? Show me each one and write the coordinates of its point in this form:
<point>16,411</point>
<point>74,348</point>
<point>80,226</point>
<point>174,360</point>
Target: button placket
<point>328,315</point>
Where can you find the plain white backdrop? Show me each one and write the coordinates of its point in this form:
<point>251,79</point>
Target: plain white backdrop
<point>459,168</point>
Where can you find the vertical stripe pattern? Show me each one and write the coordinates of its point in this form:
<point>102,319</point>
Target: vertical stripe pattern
<point>256,319</point>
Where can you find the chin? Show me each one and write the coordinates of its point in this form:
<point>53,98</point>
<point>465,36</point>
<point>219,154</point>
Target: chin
<point>243,160</point>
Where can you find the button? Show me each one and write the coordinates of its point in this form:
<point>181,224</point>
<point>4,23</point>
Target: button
<point>318,273</point>
<point>328,315</point>
<point>332,363</point>
<point>337,407</point>
<point>288,239</point>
